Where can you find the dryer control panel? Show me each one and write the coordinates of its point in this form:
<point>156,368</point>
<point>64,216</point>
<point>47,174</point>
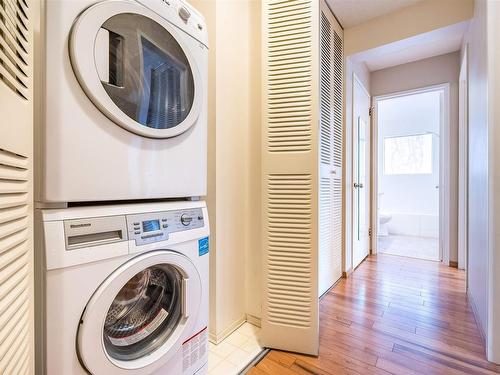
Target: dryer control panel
<point>156,226</point>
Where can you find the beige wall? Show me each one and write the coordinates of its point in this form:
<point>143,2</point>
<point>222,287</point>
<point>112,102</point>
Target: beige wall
<point>207,8</point>
<point>253,240</point>
<point>419,74</point>
<point>361,71</point>
<point>234,160</point>
<point>424,16</point>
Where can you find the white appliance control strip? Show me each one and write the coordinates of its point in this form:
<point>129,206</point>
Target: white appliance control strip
<point>156,226</point>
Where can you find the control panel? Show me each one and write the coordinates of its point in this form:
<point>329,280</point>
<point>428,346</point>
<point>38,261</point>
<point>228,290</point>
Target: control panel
<point>157,226</point>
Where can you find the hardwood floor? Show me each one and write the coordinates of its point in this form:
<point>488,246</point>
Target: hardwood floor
<point>394,315</point>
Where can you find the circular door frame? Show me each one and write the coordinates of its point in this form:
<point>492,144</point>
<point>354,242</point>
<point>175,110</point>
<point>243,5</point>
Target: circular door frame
<point>90,340</point>
<point>81,48</point>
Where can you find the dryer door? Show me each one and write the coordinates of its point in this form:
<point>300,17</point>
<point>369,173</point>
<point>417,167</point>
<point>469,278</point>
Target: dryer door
<point>137,68</point>
<point>137,319</point>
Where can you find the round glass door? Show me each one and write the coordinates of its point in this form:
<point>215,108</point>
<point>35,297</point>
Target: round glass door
<point>144,313</point>
<point>139,316</point>
<point>144,71</point>
<point>137,68</point>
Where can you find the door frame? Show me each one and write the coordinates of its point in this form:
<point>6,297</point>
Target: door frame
<point>463,165</point>
<point>444,170</point>
<point>356,80</point>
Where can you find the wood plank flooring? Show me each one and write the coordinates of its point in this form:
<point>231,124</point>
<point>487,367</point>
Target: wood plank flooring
<point>394,315</point>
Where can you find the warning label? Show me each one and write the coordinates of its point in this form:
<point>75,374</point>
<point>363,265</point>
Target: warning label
<point>194,348</point>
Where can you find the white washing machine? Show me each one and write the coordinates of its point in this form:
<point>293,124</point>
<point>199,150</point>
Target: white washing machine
<point>124,114</point>
<point>123,289</point>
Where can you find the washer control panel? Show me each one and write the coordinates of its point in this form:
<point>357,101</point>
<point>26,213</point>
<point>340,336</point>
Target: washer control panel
<point>157,226</point>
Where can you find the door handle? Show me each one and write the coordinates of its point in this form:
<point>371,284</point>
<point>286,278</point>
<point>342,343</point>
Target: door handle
<point>360,185</point>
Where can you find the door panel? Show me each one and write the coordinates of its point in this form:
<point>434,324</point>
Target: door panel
<point>290,175</point>
<point>301,169</point>
<point>330,196</point>
<point>16,187</point>
<point>361,172</point>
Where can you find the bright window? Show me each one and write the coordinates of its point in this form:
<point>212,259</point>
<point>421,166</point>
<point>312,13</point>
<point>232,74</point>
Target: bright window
<point>408,154</point>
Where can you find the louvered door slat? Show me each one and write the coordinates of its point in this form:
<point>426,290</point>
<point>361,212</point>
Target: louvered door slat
<point>16,188</point>
<point>14,47</point>
<point>290,175</point>
<point>330,155</point>
<point>337,151</point>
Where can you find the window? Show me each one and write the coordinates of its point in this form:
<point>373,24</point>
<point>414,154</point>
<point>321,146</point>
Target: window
<point>408,154</point>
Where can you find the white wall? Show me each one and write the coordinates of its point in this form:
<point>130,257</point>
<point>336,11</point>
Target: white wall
<point>359,68</point>
<point>411,199</point>
<point>493,343</point>
<point>234,161</point>
<point>478,165</point>
<point>422,17</point>
<point>420,74</point>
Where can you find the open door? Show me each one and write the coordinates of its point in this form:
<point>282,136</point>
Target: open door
<point>301,168</point>
<point>361,172</point>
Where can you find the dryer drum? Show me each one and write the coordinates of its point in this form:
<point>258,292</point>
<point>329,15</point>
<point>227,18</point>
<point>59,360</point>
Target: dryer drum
<point>144,313</point>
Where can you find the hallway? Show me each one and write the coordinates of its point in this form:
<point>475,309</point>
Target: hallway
<point>394,315</point>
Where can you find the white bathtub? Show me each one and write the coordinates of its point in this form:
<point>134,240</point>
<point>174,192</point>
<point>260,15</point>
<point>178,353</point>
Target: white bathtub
<point>417,225</point>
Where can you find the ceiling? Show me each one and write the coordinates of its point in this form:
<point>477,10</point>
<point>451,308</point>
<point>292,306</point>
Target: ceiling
<point>437,42</point>
<point>354,12</point>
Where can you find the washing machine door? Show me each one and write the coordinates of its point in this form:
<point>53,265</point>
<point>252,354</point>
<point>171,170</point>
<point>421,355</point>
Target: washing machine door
<point>137,68</point>
<point>137,319</point>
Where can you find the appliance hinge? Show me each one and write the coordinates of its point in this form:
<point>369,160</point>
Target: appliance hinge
<point>369,232</point>
<point>371,110</point>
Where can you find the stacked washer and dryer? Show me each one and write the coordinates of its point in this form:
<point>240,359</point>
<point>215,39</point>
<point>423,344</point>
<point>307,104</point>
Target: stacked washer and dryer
<point>122,237</point>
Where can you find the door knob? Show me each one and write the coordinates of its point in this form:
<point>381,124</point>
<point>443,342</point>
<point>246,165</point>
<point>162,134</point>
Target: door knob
<point>356,185</point>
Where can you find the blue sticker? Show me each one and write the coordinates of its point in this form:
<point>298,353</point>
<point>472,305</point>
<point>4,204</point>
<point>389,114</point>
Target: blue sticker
<point>203,246</point>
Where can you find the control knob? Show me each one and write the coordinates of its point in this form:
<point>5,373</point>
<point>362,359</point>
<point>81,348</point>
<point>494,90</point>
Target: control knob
<point>184,14</point>
<point>186,220</point>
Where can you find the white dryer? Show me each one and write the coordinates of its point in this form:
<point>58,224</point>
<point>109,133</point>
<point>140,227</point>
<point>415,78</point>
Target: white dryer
<point>123,290</point>
<point>124,114</point>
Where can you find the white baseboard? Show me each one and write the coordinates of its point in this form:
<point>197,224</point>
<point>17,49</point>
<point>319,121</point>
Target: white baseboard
<point>476,317</point>
<point>253,320</point>
<point>216,338</point>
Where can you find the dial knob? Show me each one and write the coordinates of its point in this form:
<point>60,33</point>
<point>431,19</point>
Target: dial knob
<point>186,219</point>
<point>184,14</point>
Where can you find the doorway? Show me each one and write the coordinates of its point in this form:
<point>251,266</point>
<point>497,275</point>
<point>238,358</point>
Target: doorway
<point>410,180</point>
<point>361,172</point>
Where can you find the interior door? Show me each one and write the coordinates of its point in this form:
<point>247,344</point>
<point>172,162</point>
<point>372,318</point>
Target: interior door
<point>290,175</point>
<point>17,22</point>
<point>361,172</point>
<point>330,155</point>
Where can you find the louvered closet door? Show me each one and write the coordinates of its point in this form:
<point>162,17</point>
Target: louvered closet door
<point>16,209</point>
<point>330,155</point>
<point>290,174</point>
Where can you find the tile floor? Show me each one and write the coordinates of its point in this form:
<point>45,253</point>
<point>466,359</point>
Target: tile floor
<point>413,247</point>
<point>233,354</point>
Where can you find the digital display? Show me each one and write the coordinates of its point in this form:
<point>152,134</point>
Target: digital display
<point>150,225</point>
